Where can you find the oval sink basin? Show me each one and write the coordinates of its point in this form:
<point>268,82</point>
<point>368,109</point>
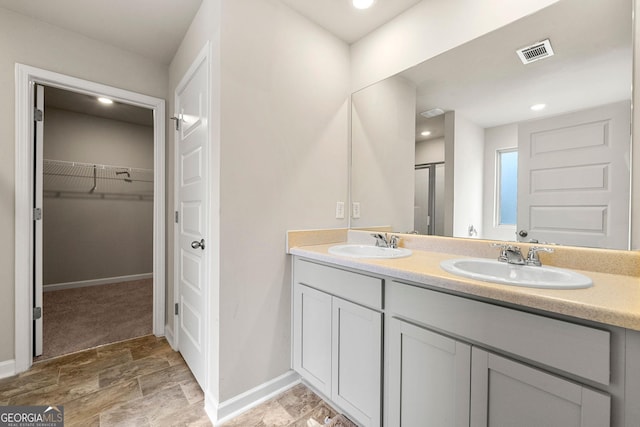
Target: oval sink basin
<point>518,275</point>
<point>368,251</point>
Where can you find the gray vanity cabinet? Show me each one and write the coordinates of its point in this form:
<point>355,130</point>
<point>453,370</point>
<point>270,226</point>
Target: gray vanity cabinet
<point>337,337</point>
<point>312,337</point>
<point>508,393</point>
<point>449,378</point>
<point>429,378</point>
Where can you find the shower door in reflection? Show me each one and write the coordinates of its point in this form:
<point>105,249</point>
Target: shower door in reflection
<point>428,215</point>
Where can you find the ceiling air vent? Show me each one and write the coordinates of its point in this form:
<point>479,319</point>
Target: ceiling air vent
<point>535,52</point>
<point>434,112</point>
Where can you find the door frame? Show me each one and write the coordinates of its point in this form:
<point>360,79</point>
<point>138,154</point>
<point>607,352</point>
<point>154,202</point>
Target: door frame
<point>26,76</point>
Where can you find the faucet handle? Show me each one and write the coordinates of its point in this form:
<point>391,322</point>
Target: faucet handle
<point>532,256</point>
<point>503,251</point>
<point>381,239</point>
<point>393,241</point>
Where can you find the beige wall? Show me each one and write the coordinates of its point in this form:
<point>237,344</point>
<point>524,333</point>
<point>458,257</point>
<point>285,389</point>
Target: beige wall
<point>383,154</point>
<point>279,141</point>
<point>430,151</point>
<point>468,172</point>
<point>284,142</point>
<point>34,43</point>
<point>86,236</point>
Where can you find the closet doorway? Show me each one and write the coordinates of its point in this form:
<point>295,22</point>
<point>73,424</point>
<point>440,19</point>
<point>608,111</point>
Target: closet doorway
<point>26,208</point>
<point>96,239</point>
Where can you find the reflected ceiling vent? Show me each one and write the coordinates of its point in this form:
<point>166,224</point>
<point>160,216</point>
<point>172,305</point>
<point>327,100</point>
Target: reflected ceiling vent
<point>535,52</point>
<point>432,113</point>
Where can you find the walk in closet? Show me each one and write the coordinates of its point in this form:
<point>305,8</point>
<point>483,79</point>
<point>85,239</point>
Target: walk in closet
<point>97,222</point>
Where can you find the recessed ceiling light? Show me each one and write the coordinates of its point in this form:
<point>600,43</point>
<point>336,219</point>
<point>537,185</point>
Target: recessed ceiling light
<point>105,100</point>
<point>362,4</point>
<point>425,133</point>
<point>538,107</point>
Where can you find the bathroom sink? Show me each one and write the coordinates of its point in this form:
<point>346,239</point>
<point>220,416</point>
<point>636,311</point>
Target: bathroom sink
<point>368,251</point>
<point>518,275</point>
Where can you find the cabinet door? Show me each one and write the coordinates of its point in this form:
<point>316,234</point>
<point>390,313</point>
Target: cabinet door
<point>429,378</point>
<point>507,393</point>
<point>357,361</point>
<point>312,336</point>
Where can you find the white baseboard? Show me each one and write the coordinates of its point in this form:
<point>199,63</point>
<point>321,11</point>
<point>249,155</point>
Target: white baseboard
<point>224,411</point>
<point>7,368</point>
<point>94,282</point>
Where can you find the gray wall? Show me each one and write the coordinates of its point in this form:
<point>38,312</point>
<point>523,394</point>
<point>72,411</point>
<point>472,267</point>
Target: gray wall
<point>86,236</point>
<point>35,43</point>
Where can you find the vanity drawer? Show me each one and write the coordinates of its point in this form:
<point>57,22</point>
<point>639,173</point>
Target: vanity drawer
<point>576,349</point>
<point>358,288</point>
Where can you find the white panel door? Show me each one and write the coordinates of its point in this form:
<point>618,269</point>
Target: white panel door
<point>429,378</point>
<point>37,244</point>
<point>573,178</point>
<point>357,361</point>
<point>507,393</point>
<point>192,207</point>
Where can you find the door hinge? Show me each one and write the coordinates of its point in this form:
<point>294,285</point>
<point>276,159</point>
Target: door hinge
<point>177,216</point>
<point>176,310</point>
<point>38,115</point>
<point>37,214</point>
<point>37,313</point>
<point>177,120</point>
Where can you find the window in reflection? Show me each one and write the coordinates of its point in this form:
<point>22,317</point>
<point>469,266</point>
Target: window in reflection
<point>507,187</point>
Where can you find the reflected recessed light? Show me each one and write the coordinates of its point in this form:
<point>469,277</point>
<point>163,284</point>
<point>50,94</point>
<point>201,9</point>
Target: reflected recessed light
<point>105,100</point>
<point>425,133</point>
<point>362,4</point>
<point>538,107</point>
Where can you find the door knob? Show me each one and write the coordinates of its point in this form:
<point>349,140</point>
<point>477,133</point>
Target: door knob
<point>523,233</point>
<point>195,244</point>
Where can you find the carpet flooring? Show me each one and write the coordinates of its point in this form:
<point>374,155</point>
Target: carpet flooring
<point>81,318</point>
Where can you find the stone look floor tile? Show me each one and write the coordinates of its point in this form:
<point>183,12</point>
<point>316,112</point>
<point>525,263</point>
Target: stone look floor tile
<point>100,401</point>
<point>150,408</point>
<point>191,416</point>
<point>192,391</point>
<point>20,384</point>
<point>299,400</point>
<point>126,371</point>
<point>143,382</point>
<point>318,414</point>
<point>166,378</point>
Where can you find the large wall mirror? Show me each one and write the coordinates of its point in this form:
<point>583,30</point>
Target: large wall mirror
<point>484,142</point>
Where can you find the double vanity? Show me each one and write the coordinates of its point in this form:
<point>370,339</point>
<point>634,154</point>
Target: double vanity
<point>428,335</point>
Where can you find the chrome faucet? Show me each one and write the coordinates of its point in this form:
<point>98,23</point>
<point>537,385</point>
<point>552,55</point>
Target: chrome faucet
<point>386,241</point>
<point>510,254</point>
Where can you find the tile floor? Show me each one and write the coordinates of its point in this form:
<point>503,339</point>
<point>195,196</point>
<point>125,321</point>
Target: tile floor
<point>143,382</point>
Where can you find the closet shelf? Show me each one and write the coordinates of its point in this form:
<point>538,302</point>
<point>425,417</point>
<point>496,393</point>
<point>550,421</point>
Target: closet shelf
<point>96,179</point>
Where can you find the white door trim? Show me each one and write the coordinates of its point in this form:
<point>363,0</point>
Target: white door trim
<point>203,56</point>
<point>25,77</point>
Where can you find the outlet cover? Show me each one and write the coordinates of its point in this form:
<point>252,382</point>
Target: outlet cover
<point>339,210</point>
<point>355,210</point>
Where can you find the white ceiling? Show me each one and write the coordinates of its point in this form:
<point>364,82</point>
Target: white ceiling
<point>150,28</point>
<point>340,18</point>
<point>155,28</point>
